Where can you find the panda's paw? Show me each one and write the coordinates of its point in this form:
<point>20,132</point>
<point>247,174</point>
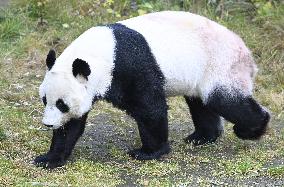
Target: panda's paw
<point>49,161</point>
<point>199,139</point>
<point>140,154</point>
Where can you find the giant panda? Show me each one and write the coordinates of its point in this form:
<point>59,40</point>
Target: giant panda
<point>136,64</point>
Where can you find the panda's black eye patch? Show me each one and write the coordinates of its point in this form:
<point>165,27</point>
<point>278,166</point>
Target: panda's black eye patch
<point>44,100</point>
<point>62,106</point>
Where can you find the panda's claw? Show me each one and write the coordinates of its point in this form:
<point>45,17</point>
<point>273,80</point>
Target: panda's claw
<point>47,161</point>
<point>41,159</point>
<point>55,164</point>
<point>197,139</point>
<point>140,154</point>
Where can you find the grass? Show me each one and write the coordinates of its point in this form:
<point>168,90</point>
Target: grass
<point>277,171</point>
<point>100,157</point>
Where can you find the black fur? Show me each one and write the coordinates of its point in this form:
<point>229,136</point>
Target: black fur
<point>81,67</point>
<point>62,144</point>
<point>62,106</point>
<point>44,100</point>
<point>137,87</point>
<point>96,98</point>
<point>249,117</point>
<point>50,59</point>
<point>207,124</point>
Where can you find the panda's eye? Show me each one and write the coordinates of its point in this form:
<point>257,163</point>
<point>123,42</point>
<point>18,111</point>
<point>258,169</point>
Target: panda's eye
<point>44,100</point>
<point>62,106</point>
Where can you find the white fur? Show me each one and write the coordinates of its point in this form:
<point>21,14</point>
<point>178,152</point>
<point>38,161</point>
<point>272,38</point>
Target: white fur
<point>194,53</point>
<point>52,116</point>
<point>96,46</point>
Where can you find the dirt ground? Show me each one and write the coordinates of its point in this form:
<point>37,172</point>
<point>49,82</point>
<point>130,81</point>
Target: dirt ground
<point>102,135</point>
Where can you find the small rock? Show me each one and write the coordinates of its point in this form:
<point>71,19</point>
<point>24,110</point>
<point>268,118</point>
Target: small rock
<point>65,25</point>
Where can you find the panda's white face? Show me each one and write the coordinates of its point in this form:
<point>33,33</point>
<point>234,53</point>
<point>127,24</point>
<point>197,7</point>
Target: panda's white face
<point>64,97</point>
<point>82,72</point>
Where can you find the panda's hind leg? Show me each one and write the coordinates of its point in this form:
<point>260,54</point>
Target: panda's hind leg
<point>208,124</point>
<point>249,117</point>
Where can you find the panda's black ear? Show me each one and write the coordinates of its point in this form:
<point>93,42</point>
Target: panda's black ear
<point>81,67</point>
<point>50,59</point>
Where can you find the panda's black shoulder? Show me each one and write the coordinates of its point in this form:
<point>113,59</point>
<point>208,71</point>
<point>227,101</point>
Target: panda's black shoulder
<point>131,46</point>
<point>135,66</point>
<point>132,52</point>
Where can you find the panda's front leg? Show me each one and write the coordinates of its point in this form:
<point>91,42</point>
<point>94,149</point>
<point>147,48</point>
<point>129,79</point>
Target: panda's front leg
<point>62,144</point>
<point>154,141</point>
<point>150,114</point>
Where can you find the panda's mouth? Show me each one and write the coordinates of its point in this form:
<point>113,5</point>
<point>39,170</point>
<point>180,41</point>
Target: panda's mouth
<point>49,126</point>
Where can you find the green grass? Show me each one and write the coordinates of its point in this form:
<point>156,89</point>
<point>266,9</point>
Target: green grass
<point>277,171</point>
<point>2,135</point>
<point>100,157</point>
<point>10,29</point>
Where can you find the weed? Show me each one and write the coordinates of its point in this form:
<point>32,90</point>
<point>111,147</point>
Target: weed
<point>10,28</point>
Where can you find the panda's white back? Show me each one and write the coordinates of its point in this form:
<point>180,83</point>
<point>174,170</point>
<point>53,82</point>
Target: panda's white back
<point>194,53</point>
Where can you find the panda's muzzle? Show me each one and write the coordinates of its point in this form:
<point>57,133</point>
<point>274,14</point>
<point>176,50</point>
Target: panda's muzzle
<point>52,117</point>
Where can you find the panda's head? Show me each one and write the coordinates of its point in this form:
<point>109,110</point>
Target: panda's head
<point>64,91</point>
